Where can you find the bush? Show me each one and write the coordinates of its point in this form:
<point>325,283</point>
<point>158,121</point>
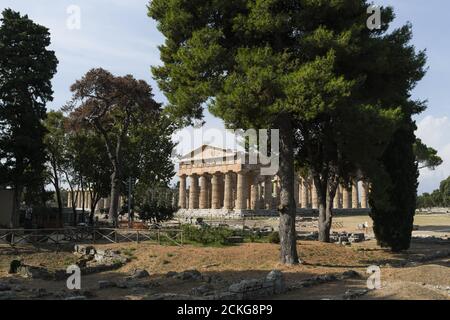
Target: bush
<point>393,200</point>
<point>274,237</point>
<point>207,235</point>
<point>155,212</point>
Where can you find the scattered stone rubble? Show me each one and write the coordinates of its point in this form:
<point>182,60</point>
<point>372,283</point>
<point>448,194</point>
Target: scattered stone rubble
<point>272,284</point>
<point>35,272</point>
<point>325,278</point>
<point>343,238</point>
<point>412,262</point>
<point>185,275</point>
<point>136,280</point>
<point>353,294</point>
<point>90,261</point>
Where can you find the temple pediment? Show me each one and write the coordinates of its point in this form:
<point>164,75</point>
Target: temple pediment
<point>207,153</point>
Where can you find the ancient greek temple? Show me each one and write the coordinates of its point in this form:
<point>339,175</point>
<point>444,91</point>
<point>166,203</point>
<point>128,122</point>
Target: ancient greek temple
<point>82,200</point>
<point>219,182</point>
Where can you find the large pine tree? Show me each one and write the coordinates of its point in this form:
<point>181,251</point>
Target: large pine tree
<point>26,70</point>
<point>310,68</point>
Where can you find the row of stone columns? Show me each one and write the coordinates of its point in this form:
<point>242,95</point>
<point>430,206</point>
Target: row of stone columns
<point>345,198</point>
<point>230,191</point>
<point>78,197</point>
<point>246,190</point>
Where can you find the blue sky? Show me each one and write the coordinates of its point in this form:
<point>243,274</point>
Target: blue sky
<point>117,35</point>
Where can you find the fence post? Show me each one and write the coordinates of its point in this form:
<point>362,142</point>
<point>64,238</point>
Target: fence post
<point>137,235</point>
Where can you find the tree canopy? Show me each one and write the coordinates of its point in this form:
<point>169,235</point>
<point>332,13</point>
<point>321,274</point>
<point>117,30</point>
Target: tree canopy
<point>336,90</point>
<point>130,123</point>
<point>426,157</point>
<point>26,70</point>
<point>438,198</point>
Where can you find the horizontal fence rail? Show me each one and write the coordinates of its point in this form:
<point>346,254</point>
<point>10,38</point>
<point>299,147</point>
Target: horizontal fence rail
<point>89,235</point>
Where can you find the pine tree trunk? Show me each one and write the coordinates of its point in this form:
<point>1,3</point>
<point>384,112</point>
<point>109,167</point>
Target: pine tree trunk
<point>15,214</point>
<point>94,200</point>
<point>60,205</point>
<point>115,194</point>
<point>325,220</point>
<point>287,208</point>
<point>58,193</point>
<point>326,192</point>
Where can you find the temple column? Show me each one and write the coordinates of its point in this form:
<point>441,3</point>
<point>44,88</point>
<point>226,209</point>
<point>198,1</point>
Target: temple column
<point>208,182</point>
<point>108,203</point>
<point>261,204</point>
<point>69,199</point>
<point>228,192</point>
<point>193,192</point>
<point>88,200</point>
<point>304,194</point>
<point>234,184</point>
<point>215,189</point>
<point>346,198</point>
<point>309,194</point>
<point>222,190</point>
<point>314,199</point>
<point>277,194</point>
<point>174,199</point>
<point>365,195</point>
<point>254,192</point>
<point>337,198</point>
<point>268,193</point>
<point>355,194</point>
<point>203,192</point>
<point>241,200</point>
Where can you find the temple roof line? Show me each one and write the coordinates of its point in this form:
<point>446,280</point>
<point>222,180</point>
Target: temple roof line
<point>206,152</point>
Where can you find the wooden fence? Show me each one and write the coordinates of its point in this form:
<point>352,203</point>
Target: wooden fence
<point>89,235</point>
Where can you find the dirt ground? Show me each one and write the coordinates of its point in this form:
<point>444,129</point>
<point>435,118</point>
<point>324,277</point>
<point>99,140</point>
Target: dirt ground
<point>421,280</point>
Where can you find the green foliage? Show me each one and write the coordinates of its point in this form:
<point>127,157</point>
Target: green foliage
<point>274,237</point>
<point>147,154</point>
<point>122,111</point>
<point>427,157</point>
<point>156,211</point>
<point>438,198</point>
<point>310,68</point>
<point>393,214</point>
<point>206,235</point>
<point>394,180</point>
<point>27,67</point>
<point>444,191</point>
<point>55,142</point>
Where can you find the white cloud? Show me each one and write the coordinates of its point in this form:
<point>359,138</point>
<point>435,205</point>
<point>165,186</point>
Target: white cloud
<point>434,132</point>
